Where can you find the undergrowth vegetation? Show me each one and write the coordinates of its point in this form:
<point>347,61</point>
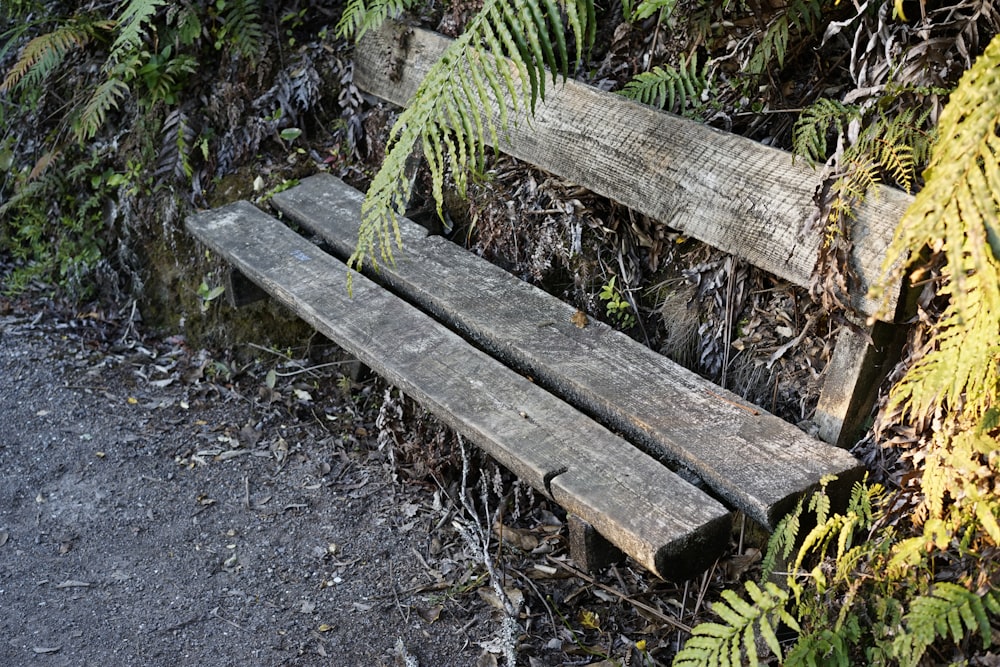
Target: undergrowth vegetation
<point>871,94</point>
<point>107,89</point>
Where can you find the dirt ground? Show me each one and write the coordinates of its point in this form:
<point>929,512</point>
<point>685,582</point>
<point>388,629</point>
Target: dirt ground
<point>161,505</point>
<point>156,522</point>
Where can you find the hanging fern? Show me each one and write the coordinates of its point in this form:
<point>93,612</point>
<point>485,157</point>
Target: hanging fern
<point>450,114</point>
<point>810,137</point>
<point>174,161</point>
<point>45,53</point>
<point>132,24</point>
<point>957,213</point>
<point>647,8</point>
<point>105,97</point>
<point>955,378</point>
<point>669,88</point>
<point>121,67</point>
<point>799,17</point>
<point>871,146</point>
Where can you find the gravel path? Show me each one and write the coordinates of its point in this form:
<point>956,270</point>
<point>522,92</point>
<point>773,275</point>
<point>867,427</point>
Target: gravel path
<point>177,522</point>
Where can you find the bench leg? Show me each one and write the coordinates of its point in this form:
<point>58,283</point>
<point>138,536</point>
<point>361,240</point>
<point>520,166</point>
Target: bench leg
<point>852,380</point>
<point>241,291</point>
<point>588,548</point>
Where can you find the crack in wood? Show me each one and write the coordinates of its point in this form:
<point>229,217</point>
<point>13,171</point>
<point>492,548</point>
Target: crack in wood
<point>551,475</point>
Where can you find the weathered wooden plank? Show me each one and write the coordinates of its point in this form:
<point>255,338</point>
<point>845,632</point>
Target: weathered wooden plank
<point>728,191</point>
<point>754,460</point>
<point>667,524</point>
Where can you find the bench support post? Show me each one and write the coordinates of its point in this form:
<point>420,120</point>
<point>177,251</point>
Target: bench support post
<point>860,362</point>
<point>588,548</point>
<point>241,291</point>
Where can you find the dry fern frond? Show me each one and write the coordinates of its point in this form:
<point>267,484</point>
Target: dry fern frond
<point>43,54</point>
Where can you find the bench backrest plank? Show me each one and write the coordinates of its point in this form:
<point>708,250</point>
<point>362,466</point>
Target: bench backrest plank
<point>664,522</point>
<point>755,460</point>
<point>728,191</point>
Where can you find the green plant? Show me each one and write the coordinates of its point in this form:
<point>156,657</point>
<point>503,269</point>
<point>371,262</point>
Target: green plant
<point>54,225</point>
<point>647,8</point>
<point>865,587</point>
<point>881,142</point>
<point>616,306</point>
<point>70,79</point>
<point>147,57</point>
<point>843,596</point>
<point>670,88</point>
<point>449,116</point>
<point>796,19</point>
<point>955,378</point>
<point>207,294</point>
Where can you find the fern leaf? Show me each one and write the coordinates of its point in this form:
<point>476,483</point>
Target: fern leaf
<point>647,8</point>
<point>43,54</point>
<point>947,611</point>
<point>241,27</point>
<point>453,105</point>
<point>358,17</point>
<point>104,98</point>
<point>669,88</point>
<point>782,540</point>
<point>132,24</point>
<point>734,642</point>
<point>956,211</point>
<point>809,136</point>
<point>175,160</point>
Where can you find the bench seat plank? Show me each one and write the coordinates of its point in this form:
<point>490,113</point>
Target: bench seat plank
<point>728,191</point>
<point>664,522</point>
<point>754,460</point>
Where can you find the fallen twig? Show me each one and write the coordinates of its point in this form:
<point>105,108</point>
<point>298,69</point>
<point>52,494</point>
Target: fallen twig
<point>653,611</point>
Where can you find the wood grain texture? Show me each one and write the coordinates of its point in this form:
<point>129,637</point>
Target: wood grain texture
<point>862,358</point>
<point>667,524</point>
<point>728,191</point>
<point>757,462</point>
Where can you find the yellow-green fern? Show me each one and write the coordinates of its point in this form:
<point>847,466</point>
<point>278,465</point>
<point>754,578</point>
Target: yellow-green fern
<point>956,214</point>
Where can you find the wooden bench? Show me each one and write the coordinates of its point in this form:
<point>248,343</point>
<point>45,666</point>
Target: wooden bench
<point>667,524</point>
<point>540,393</point>
<point>730,192</point>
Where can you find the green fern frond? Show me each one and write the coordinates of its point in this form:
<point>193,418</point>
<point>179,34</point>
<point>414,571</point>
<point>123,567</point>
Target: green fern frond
<point>734,642</point>
<point>241,27</point>
<point>669,88</point>
<point>359,17</point>
<point>43,54</point>
<point>816,122</point>
<point>104,98</point>
<point>949,612</point>
<point>647,8</point>
<point>132,24</point>
<point>450,115</point>
<point>782,541</point>
<point>838,528</point>
<point>826,646</point>
<point>896,145</point>
<point>799,17</point>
